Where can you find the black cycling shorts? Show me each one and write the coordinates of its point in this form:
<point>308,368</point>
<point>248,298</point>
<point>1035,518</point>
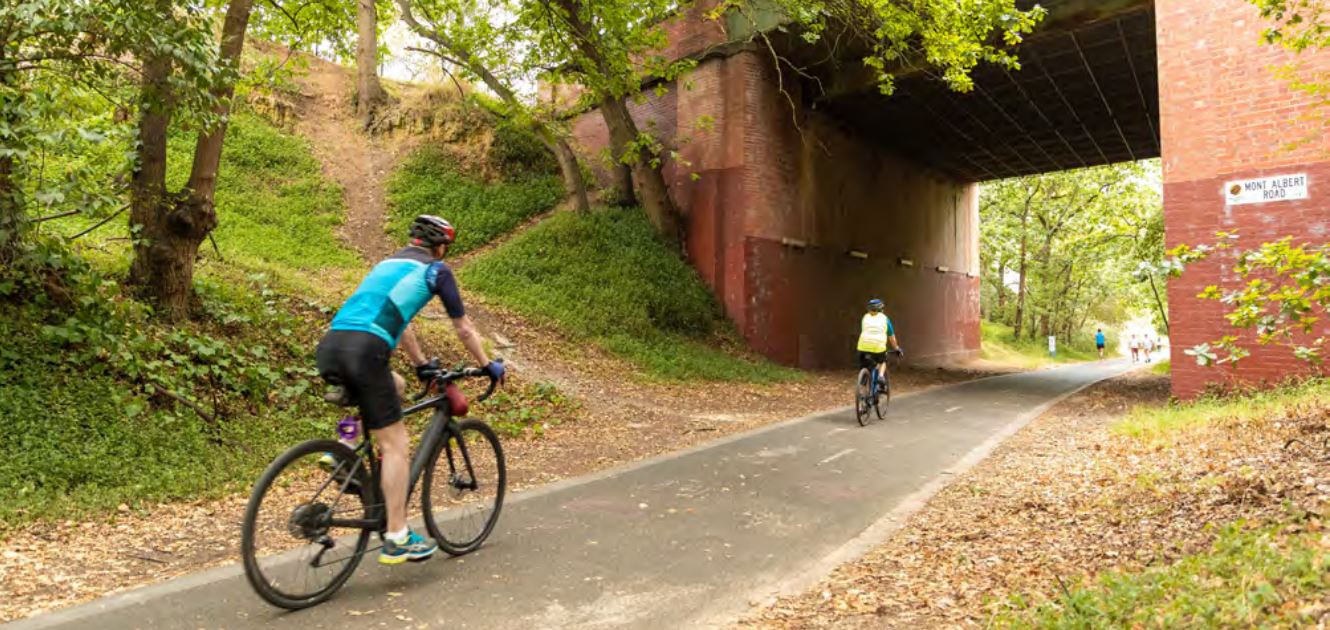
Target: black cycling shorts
<point>869,360</point>
<point>358,361</point>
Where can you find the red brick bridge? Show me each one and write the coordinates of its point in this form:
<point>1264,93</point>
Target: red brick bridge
<point>815,192</point>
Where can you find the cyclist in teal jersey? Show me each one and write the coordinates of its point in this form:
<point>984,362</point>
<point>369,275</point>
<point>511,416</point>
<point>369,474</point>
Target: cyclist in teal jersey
<point>354,354</point>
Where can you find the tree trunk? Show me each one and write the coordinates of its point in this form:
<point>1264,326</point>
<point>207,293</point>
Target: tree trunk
<point>1020,284</point>
<point>369,92</point>
<point>1001,287</point>
<point>573,182</point>
<point>623,183</point>
<point>651,188</point>
<point>653,192</point>
<point>173,226</point>
<point>13,221</point>
<point>153,256</point>
<point>1159,305</point>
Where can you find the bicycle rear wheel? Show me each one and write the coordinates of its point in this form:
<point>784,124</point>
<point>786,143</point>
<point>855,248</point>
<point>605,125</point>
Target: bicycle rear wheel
<point>882,397</point>
<point>861,396</point>
<point>464,487</point>
<point>294,555</point>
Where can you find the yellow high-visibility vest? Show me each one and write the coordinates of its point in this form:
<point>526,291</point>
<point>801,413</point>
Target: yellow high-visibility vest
<point>873,333</point>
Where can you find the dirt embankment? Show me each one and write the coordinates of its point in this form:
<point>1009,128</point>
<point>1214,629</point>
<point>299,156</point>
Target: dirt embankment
<point>359,163</point>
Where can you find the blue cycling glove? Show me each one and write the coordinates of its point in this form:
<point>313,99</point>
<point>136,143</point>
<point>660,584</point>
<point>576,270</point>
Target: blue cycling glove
<point>496,370</point>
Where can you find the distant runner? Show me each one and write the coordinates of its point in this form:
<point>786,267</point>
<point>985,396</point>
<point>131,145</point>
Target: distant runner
<point>1099,342</point>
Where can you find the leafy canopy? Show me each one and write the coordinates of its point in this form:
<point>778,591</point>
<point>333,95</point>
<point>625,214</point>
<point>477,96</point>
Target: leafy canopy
<point>948,37</point>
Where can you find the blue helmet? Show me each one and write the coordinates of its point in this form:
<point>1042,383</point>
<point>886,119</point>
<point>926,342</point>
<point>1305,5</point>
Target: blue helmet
<point>875,305</point>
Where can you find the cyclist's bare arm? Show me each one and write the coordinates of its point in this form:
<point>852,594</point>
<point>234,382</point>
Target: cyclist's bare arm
<point>466,331</point>
<point>892,341</point>
<point>411,346</point>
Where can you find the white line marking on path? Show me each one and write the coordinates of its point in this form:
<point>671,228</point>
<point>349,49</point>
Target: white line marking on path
<point>835,431</point>
<point>836,456</point>
<point>952,409</point>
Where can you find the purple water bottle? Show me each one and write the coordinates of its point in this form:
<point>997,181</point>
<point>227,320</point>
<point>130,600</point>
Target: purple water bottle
<point>348,429</point>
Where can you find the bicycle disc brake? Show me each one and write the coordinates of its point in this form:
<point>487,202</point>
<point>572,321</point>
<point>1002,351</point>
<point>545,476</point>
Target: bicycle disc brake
<point>309,521</point>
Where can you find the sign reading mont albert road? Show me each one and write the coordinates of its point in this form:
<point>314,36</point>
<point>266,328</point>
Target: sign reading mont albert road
<point>1265,189</point>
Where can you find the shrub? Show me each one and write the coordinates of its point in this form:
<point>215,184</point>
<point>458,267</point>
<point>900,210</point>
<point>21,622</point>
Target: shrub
<point>429,183</point>
<point>604,276</point>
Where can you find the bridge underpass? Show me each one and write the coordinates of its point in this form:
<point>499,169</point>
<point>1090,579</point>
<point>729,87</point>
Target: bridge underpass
<point>814,191</point>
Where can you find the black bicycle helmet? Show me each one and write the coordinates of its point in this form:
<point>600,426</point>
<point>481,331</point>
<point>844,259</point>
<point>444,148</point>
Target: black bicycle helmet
<point>431,231</point>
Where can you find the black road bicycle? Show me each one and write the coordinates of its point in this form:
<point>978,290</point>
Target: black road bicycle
<point>323,498</point>
<point>872,393</point>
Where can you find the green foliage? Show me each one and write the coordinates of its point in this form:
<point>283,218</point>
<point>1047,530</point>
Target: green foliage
<point>951,36</point>
<point>428,182</point>
<point>1152,423</point>
<point>105,405</point>
<point>277,211</point>
<point>1296,24</point>
<point>1001,345</point>
<point>518,152</point>
<point>1163,368</point>
<point>1278,292</point>
<point>603,276</point>
<point>1080,237</point>
<point>60,58</point>
<point>528,410</point>
<point>1271,576</point>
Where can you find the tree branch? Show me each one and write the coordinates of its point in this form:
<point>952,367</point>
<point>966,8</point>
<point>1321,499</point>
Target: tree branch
<point>185,401</point>
<point>53,217</point>
<point>101,223</point>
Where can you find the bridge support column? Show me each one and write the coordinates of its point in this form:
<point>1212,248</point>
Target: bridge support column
<point>1226,116</point>
<point>795,222</point>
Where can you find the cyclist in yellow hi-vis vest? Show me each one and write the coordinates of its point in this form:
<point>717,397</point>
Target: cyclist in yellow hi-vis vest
<point>876,335</point>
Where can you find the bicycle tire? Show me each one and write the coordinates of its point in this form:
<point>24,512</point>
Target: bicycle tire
<point>460,545</point>
<point>882,397</point>
<point>267,588</point>
<point>861,397</point>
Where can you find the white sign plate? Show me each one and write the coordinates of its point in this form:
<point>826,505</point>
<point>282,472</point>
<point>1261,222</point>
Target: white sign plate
<point>1266,189</point>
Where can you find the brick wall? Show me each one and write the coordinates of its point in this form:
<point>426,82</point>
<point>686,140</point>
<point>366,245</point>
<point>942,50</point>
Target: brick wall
<point>761,183</point>
<point>1224,116</point>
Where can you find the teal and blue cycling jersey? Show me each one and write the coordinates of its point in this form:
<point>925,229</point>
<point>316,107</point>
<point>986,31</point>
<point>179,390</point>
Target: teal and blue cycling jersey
<point>394,291</point>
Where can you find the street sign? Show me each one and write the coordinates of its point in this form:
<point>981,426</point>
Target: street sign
<point>1266,189</point>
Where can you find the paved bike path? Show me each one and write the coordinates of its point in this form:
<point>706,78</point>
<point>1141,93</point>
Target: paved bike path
<point>683,540</point>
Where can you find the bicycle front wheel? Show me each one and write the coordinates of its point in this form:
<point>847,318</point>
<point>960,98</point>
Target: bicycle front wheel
<point>295,544</point>
<point>464,487</point>
<point>861,397</point>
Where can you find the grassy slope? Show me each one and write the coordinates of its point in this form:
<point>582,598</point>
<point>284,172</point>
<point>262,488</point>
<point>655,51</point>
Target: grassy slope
<point>1254,575</point>
<point>1271,576</point>
<point>429,183</point>
<point>999,345</point>
<point>85,431</point>
<point>604,277</point>
<point>1159,423</point>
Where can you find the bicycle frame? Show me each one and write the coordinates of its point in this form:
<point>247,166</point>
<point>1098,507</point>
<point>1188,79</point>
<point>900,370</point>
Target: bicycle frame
<point>441,426</point>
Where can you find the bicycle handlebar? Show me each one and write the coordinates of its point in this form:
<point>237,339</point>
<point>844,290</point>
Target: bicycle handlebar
<point>443,377</point>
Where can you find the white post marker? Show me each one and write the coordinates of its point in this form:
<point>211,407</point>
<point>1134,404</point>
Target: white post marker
<point>1266,189</point>
<point>1052,346</point>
